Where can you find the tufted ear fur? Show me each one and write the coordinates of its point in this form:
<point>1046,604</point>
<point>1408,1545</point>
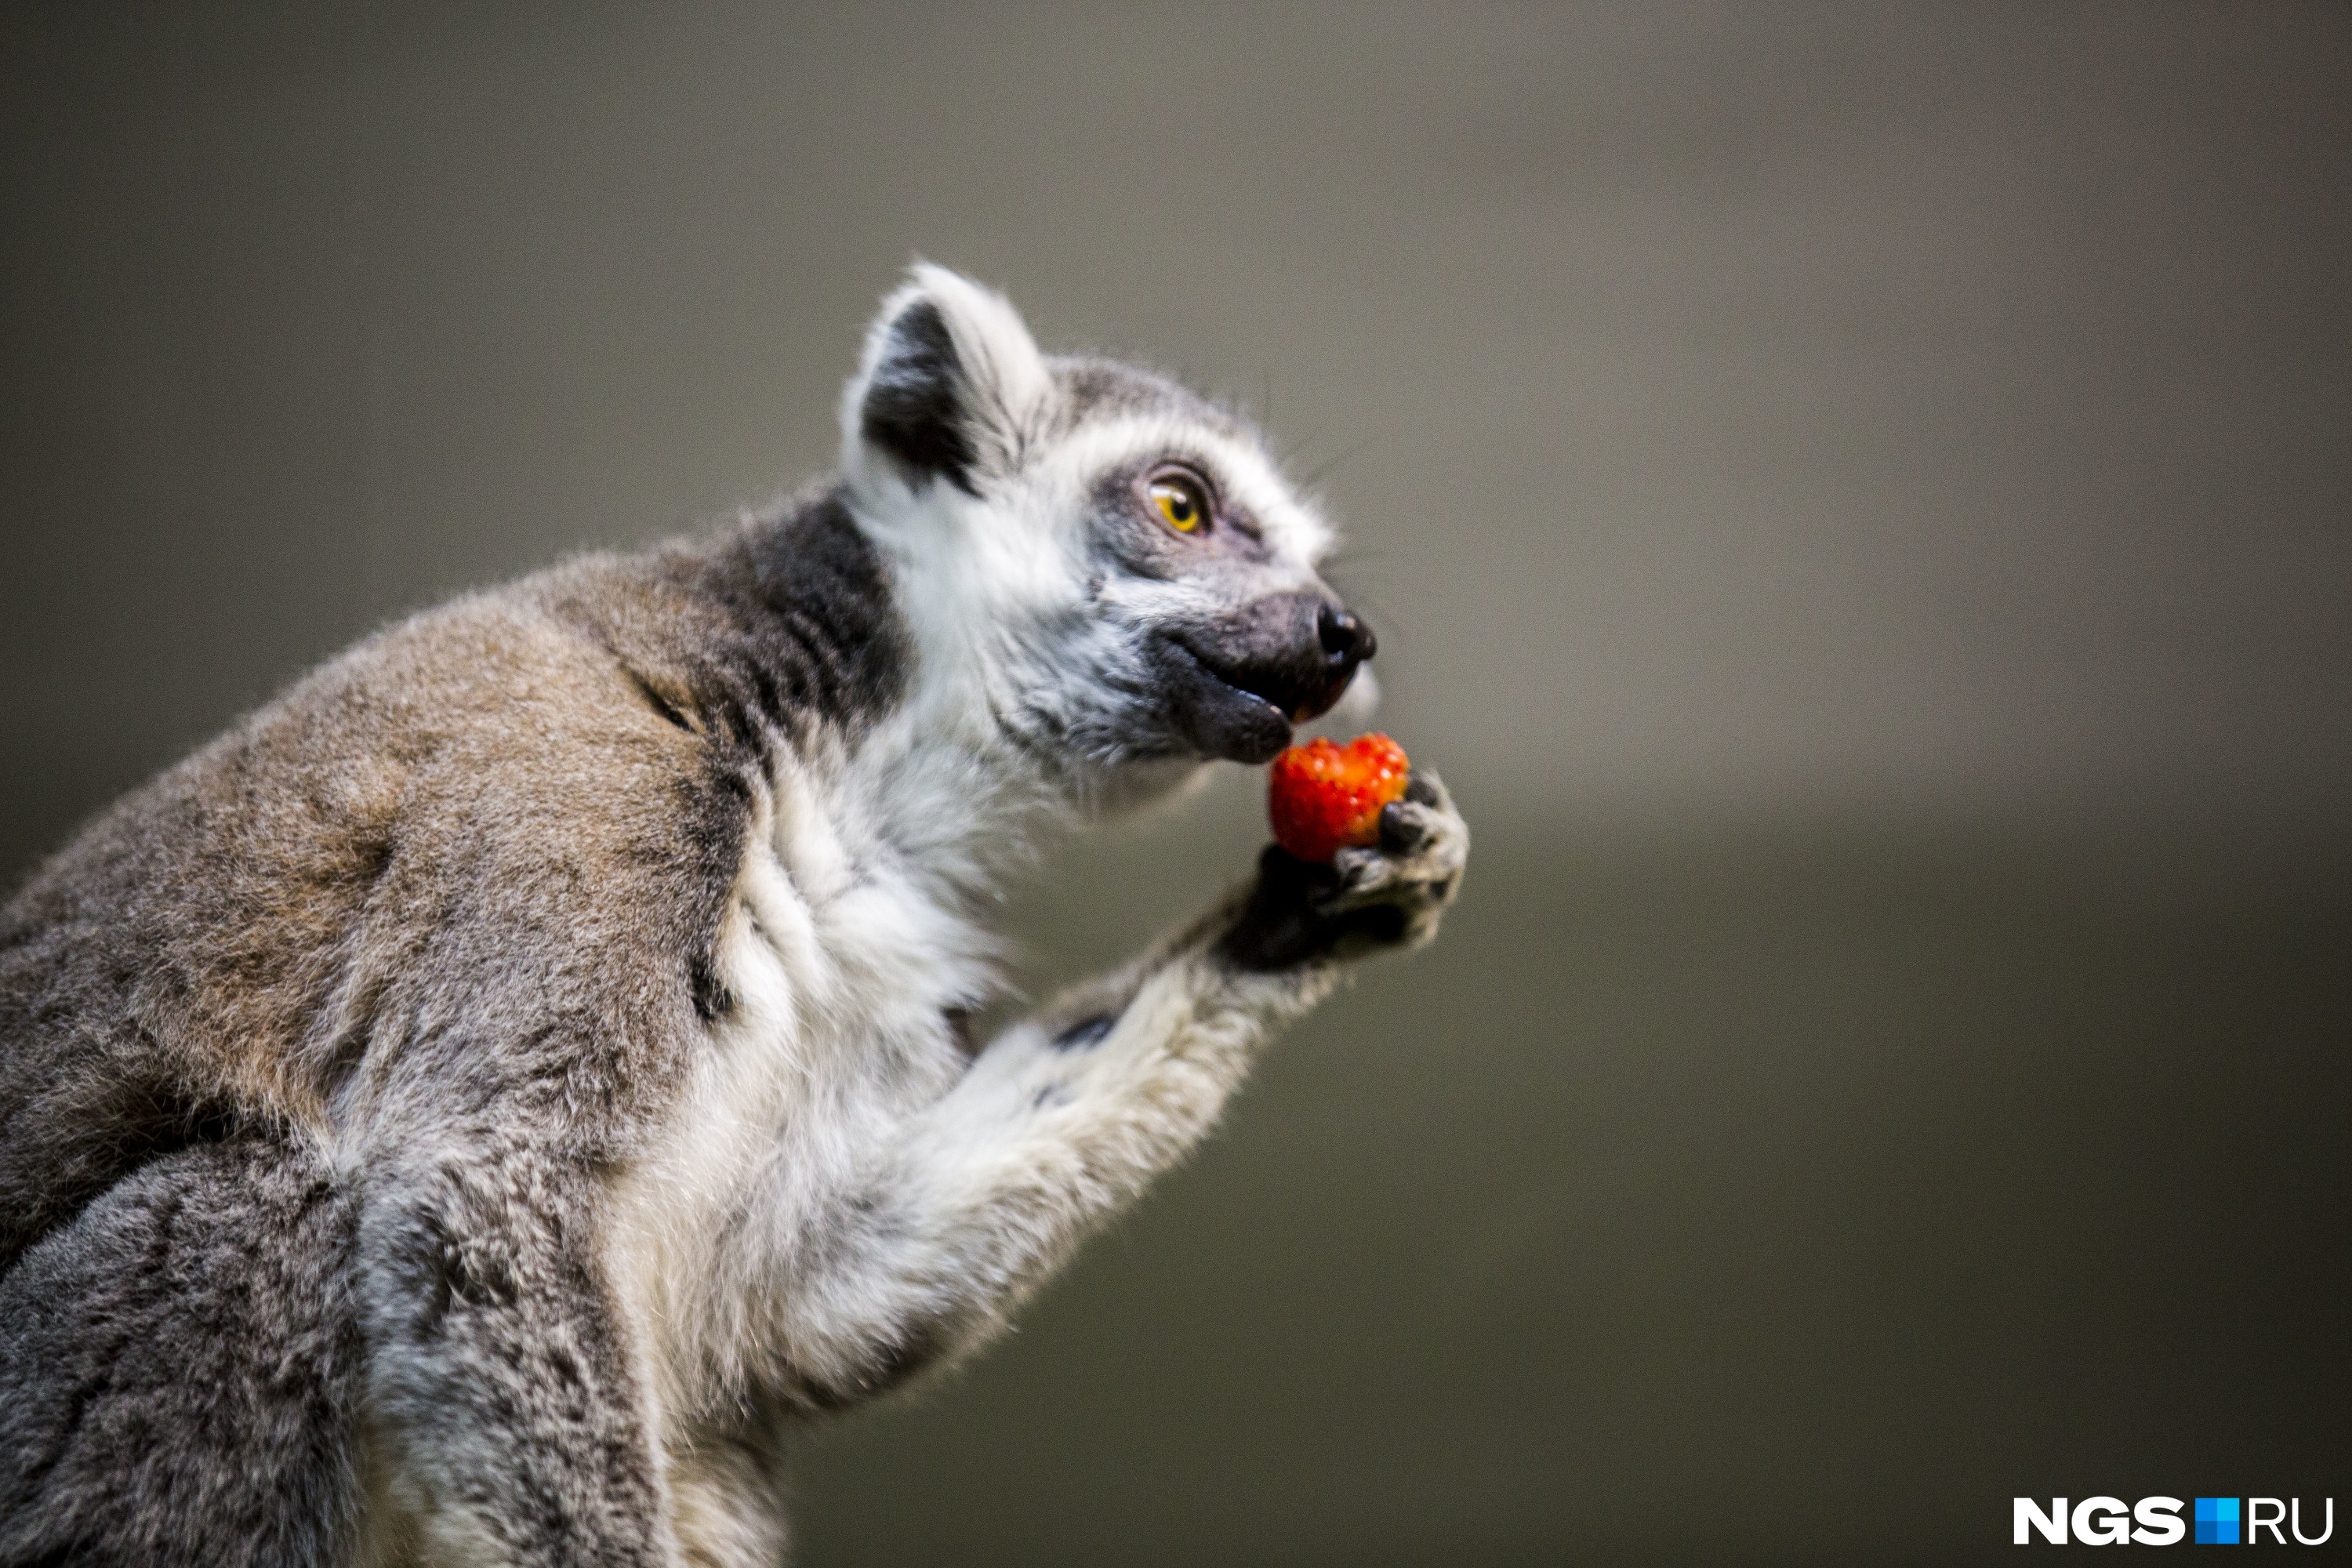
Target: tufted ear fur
<point>951,387</point>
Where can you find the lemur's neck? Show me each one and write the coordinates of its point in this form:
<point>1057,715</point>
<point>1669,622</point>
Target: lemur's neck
<point>959,816</point>
<point>878,621</point>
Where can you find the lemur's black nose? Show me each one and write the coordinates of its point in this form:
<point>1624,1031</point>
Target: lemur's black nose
<point>1347,641</point>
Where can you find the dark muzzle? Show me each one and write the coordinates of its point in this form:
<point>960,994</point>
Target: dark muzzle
<point>1279,661</point>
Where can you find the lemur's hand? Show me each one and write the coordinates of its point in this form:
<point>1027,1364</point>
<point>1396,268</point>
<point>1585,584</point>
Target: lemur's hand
<point>1386,898</point>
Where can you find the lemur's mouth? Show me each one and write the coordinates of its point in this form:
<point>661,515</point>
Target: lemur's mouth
<point>1238,700</point>
<point>1268,687</point>
<point>1220,715</point>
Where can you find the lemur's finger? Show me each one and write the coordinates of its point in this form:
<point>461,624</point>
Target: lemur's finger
<point>1401,831</point>
<point>1422,839</point>
<point>1360,872</point>
<point>1427,791</point>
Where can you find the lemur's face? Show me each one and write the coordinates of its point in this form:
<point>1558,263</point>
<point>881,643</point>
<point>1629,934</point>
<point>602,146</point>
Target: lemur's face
<point>1113,564</point>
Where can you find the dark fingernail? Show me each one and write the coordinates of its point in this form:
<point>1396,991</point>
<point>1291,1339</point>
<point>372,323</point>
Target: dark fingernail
<point>1420,791</point>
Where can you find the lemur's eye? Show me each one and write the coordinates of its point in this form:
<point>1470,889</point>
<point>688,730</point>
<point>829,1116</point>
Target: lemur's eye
<point>1179,499</point>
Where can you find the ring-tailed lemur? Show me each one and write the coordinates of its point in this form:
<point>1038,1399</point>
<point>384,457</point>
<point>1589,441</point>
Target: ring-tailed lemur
<point>474,1110</point>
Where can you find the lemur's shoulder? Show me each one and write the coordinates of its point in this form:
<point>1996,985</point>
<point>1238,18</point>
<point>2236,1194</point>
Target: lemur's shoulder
<point>788,626</point>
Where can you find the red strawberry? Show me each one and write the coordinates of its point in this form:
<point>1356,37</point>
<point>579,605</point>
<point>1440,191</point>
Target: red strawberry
<point>1324,798</point>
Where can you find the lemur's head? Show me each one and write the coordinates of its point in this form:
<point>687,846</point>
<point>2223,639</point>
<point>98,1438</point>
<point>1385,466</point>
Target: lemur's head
<point>1098,564</point>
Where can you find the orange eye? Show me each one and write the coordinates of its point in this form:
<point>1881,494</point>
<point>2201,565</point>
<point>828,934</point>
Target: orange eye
<point>1180,502</point>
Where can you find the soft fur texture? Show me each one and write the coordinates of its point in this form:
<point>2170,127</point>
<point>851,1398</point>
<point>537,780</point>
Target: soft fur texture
<point>474,1110</point>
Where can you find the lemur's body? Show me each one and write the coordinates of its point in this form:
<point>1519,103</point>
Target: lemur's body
<point>472,1109</point>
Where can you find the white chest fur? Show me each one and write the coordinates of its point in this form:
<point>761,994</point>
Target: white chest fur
<point>843,956</point>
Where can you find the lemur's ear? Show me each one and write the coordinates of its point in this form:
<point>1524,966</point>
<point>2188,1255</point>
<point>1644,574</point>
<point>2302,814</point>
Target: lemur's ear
<point>951,387</point>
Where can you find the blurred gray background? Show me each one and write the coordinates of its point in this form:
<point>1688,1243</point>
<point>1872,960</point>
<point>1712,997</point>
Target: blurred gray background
<point>1855,500</point>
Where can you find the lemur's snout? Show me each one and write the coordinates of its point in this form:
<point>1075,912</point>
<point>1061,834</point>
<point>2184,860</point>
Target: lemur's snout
<point>1280,660</point>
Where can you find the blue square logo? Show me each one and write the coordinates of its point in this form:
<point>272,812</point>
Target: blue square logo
<point>2217,1521</point>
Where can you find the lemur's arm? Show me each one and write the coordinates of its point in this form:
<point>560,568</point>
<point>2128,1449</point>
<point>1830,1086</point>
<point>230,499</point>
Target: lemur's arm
<point>1065,1118</point>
